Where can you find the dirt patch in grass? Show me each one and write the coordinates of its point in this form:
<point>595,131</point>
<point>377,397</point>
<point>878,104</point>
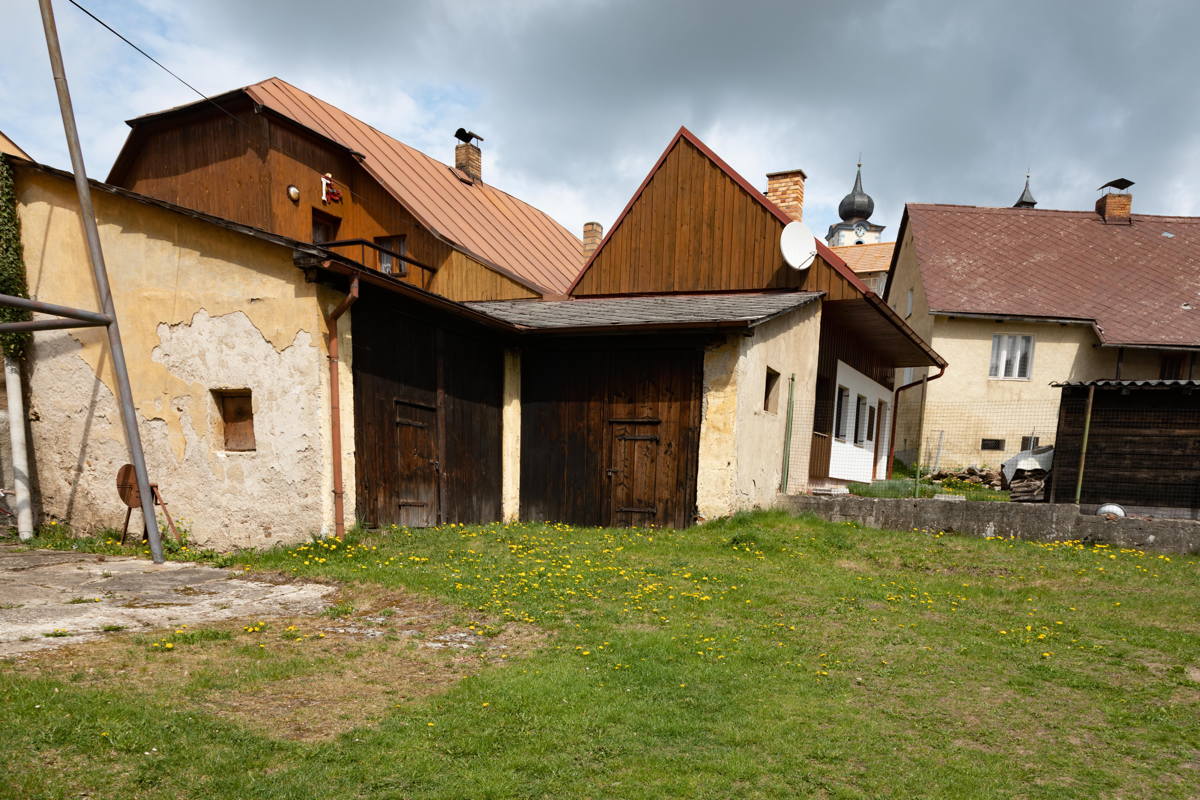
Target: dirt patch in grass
<point>301,678</point>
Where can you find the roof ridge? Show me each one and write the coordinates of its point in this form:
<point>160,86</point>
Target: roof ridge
<point>1039,211</point>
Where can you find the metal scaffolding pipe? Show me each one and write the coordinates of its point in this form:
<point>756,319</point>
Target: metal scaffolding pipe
<point>47,325</point>
<point>87,215</point>
<point>22,492</point>
<point>56,310</point>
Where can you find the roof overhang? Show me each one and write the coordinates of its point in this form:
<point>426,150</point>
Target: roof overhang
<point>888,334</point>
<point>1012,317</point>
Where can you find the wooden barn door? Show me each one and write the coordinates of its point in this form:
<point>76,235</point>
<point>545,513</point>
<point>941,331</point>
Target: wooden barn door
<point>610,436</point>
<point>427,418</point>
<point>633,476</point>
<point>418,467</point>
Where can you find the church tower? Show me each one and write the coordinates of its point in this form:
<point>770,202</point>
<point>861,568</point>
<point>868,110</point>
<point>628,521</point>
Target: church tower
<point>856,226</point>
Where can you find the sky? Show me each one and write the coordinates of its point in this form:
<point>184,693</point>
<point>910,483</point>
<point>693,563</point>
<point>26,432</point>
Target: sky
<point>946,101</point>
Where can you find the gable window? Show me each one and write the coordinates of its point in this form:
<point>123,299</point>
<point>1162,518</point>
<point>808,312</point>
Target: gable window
<point>908,303</point>
<point>237,418</point>
<point>388,263</point>
<point>839,424</point>
<point>771,392</point>
<point>1012,356</point>
<point>324,227</point>
<point>860,419</point>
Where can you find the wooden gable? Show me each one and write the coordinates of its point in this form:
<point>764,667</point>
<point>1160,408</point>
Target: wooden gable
<point>695,225</point>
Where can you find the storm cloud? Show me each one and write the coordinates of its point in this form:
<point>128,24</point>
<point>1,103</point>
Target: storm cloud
<point>947,101</point>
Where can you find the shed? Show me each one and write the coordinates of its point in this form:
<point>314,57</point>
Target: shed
<point>1142,446</point>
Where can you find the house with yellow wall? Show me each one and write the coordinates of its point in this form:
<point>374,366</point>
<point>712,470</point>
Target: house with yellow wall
<point>1019,298</point>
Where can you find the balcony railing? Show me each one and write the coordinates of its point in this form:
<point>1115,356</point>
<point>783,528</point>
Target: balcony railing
<point>375,256</point>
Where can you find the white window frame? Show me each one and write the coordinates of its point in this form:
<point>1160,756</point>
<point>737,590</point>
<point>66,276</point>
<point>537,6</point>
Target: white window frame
<point>841,413</point>
<point>860,419</point>
<point>999,357</point>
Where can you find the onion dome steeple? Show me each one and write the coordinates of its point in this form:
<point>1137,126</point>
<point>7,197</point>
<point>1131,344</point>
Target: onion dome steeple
<point>1026,199</point>
<point>857,205</point>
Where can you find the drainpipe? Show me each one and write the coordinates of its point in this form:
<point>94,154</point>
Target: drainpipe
<point>335,406</point>
<point>20,453</point>
<point>895,413</point>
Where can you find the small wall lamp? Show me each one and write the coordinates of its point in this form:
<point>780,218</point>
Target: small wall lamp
<point>293,193</point>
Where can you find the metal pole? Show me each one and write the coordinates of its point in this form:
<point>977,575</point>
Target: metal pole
<point>920,437</point>
<point>1087,428</point>
<point>87,214</point>
<point>787,437</point>
<point>22,495</point>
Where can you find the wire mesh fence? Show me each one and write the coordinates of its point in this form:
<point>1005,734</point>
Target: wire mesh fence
<point>1136,447</point>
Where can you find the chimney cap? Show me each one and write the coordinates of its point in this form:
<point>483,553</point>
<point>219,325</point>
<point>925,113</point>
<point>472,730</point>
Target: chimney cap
<point>1120,184</point>
<point>465,136</point>
<point>781,173</point>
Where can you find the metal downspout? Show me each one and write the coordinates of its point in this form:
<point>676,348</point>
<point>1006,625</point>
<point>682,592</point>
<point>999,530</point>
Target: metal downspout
<point>895,413</point>
<point>335,406</point>
<point>787,437</point>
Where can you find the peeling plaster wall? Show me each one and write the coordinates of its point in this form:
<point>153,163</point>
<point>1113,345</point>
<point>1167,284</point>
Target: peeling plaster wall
<point>717,468</point>
<point>200,308</point>
<point>789,345</point>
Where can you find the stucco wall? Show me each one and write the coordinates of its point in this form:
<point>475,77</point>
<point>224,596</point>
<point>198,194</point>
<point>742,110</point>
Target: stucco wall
<point>510,448</point>
<point>966,405</point>
<point>907,277</point>
<point>201,308</point>
<point>742,443</point>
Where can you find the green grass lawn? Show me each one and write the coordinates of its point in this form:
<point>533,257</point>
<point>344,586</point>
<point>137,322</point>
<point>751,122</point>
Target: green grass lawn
<point>759,657</point>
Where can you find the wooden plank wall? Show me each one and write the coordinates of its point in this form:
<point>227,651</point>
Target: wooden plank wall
<point>1143,448</point>
<point>574,401</point>
<point>695,229</point>
<point>402,352</point>
<point>241,170</point>
<point>212,164</point>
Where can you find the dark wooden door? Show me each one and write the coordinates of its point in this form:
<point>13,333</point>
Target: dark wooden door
<point>610,435</point>
<point>633,476</point>
<point>427,398</point>
<point>418,468</point>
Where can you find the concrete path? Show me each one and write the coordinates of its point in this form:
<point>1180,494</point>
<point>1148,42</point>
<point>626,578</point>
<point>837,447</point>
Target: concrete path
<point>75,596</point>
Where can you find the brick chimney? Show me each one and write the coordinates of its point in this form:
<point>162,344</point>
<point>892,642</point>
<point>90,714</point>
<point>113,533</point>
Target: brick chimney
<point>786,190</point>
<point>593,232</point>
<point>1114,208</point>
<point>468,159</point>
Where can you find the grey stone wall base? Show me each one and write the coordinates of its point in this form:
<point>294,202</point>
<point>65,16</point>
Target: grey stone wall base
<point>1038,522</point>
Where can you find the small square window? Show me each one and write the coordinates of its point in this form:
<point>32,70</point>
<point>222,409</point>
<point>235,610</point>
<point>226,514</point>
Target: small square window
<point>991,444</point>
<point>1029,442</point>
<point>388,263</point>
<point>237,418</point>
<point>324,227</point>
<point>771,392</point>
<point>1012,356</point>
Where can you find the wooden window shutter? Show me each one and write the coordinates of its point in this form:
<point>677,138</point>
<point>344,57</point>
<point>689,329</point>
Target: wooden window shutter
<point>237,418</point>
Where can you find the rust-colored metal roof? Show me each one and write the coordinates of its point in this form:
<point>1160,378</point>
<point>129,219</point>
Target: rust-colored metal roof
<point>1139,283</point>
<point>867,257</point>
<point>507,234</point>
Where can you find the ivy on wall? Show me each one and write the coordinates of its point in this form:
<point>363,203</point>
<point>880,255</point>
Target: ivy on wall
<point>12,262</point>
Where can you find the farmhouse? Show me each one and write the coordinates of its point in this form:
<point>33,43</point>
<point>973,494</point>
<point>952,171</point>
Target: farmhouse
<point>425,366</point>
<point>1019,298</point>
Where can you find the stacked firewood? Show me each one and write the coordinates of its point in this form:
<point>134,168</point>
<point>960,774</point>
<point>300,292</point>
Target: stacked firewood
<point>1028,486</point>
<point>987,478</point>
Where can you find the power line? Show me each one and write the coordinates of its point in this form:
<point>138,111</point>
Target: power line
<point>221,108</point>
<point>161,66</point>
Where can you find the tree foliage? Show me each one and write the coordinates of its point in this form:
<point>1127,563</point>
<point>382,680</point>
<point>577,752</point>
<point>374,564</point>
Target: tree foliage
<point>12,262</point>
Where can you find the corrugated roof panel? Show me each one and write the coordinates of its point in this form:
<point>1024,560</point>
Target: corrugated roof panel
<point>477,218</point>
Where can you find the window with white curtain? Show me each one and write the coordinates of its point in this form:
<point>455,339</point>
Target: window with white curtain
<point>1012,356</point>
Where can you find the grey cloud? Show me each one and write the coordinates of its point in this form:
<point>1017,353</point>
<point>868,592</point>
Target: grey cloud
<point>948,101</point>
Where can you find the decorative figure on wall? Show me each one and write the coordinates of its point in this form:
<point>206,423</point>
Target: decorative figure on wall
<point>329,191</point>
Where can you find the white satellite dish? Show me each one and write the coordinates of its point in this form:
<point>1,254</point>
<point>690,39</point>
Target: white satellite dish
<point>798,245</point>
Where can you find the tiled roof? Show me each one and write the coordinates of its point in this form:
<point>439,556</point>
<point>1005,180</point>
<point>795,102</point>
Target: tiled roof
<point>743,309</point>
<point>867,257</point>
<point>477,218</point>
<point>1139,282</point>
